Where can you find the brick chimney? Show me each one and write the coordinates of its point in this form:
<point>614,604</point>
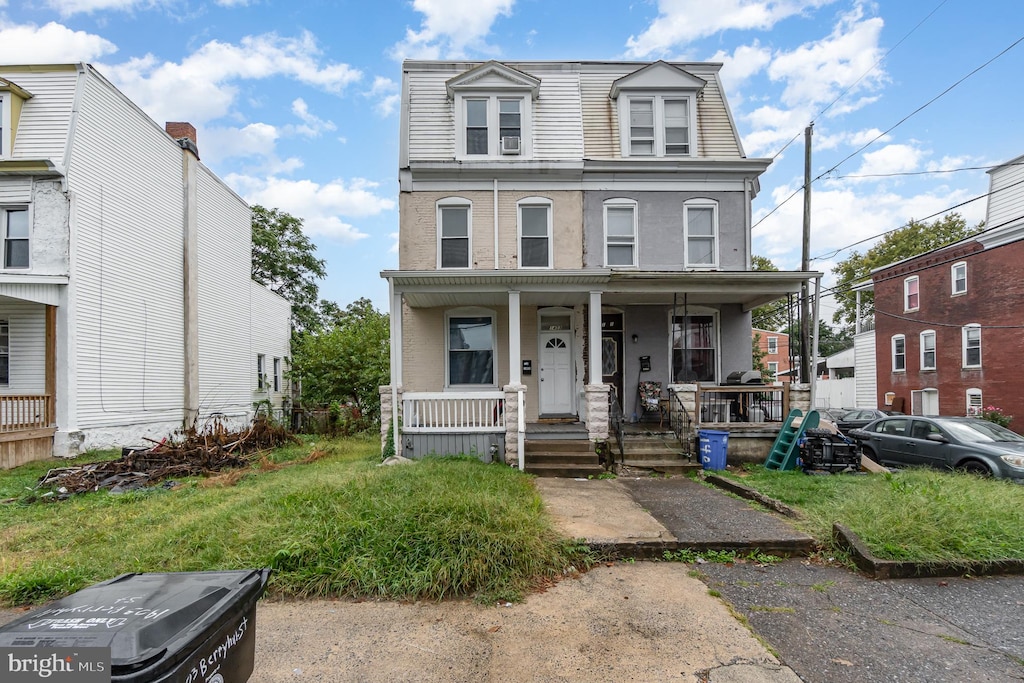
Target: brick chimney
<point>185,133</point>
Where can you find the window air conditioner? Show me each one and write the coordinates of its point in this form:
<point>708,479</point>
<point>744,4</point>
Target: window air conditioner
<point>510,144</point>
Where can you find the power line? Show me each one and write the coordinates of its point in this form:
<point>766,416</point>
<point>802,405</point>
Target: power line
<point>914,173</point>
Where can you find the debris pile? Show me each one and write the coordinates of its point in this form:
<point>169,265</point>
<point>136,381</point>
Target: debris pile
<point>186,454</point>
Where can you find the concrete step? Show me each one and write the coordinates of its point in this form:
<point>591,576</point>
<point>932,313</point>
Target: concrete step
<point>565,471</point>
<point>558,446</point>
<point>665,467</point>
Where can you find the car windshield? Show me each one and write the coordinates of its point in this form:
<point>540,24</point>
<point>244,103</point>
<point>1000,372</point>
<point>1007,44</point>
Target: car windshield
<point>978,432</point>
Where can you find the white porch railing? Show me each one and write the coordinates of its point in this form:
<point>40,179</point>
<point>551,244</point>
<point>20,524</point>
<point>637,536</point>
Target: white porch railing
<point>22,412</point>
<point>451,412</point>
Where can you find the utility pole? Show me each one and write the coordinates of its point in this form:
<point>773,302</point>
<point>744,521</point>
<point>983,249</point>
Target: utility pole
<point>806,373</point>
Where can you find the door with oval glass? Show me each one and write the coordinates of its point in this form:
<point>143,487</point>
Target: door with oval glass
<point>556,377</point>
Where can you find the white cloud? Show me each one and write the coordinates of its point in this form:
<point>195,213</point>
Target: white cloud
<point>50,44</point>
<point>70,7</point>
<point>253,140</point>
<point>320,206</point>
<point>203,86</point>
<point>744,62</point>
<point>450,27</point>
<point>313,125</point>
<point>890,159</point>
<point>385,91</point>
<point>682,21</point>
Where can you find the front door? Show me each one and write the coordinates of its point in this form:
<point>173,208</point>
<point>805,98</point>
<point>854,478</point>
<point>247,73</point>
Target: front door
<point>611,352</point>
<point>556,373</point>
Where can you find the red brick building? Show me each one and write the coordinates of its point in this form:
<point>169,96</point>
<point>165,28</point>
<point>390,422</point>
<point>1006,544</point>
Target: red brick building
<point>949,324</point>
<point>775,346</point>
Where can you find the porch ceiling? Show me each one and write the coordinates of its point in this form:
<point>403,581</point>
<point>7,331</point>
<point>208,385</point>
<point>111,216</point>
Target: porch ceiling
<point>750,289</point>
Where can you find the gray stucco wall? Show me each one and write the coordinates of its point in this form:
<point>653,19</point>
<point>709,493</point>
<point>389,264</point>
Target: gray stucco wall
<point>660,228</point>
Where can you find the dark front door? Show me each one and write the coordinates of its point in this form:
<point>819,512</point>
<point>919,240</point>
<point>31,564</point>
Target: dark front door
<point>611,352</point>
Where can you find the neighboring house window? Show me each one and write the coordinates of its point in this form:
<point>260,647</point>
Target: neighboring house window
<point>471,343</point>
<point>261,372</point>
<point>620,232</point>
<point>928,350</point>
<point>958,275</point>
<point>700,224</point>
<point>773,369</point>
<point>899,353</point>
<point>911,295</point>
<point>453,230</point>
<point>5,353</point>
<point>972,346</point>
<point>535,233</point>
<point>658,126</point>
<point>974,402</point>
<point>694,348</point>
<point>14,231</point>
<point>773,345</point>
<point>277,374</point>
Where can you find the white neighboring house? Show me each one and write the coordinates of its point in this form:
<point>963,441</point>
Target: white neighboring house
<point>127,306</point>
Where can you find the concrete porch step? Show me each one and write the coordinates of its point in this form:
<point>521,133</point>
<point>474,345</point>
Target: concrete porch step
<point>564,471</point>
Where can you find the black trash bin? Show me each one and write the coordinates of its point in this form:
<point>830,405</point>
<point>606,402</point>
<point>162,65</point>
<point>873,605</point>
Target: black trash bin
<point>193,627</point>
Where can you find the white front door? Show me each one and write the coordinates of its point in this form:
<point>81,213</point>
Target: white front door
<point>556,373</point>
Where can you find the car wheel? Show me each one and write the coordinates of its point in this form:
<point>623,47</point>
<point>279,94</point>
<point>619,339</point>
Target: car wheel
<point>871,455</point>
<point>975,467</point>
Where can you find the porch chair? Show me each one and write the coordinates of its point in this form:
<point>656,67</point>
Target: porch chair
<point>650,400</point>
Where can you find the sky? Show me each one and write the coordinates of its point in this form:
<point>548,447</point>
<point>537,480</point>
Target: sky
<point>296,103</point>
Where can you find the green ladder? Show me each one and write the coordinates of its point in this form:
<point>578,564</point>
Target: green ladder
<point>787,447</point>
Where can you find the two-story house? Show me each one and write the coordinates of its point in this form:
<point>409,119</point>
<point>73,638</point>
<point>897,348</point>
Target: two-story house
<point>568,231</point>
<point>948,322</point>
<point>127,307</point>
<point>775,347</point>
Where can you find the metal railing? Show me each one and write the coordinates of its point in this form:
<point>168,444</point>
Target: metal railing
<point>20,412</point>
<point>451,412</point>
<point>742,403</point>
<point>681,422</point>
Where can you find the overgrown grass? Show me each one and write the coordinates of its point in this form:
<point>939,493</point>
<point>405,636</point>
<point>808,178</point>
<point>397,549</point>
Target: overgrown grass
<point>913,515</point>
<point>338,526</point>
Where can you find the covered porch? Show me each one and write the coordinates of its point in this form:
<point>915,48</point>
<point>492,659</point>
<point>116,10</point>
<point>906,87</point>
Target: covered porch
<point>568,346</point>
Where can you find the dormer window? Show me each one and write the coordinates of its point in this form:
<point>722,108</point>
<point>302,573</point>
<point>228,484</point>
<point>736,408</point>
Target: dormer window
<point>493,109</point>
<point>11,100</point>
<point>657,108</point>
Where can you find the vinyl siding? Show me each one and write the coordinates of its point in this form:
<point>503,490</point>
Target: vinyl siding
<point>431,121</point>
<point>271,336</point>
<point>15,190</point>
<point>600,121</point>
<point>864,370</point>
<point>46,117</point>
<point>126,272</point>
<point>557,129</point>
<point>717,136</point>
<point>225,266</point>
<point>1006,203</point>
<point>27,323</point>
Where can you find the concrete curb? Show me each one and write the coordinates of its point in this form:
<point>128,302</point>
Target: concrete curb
<point>896,569</point>
<point>655,550</point>
<point>862,556</point>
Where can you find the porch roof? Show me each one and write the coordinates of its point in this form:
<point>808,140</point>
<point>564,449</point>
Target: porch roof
<point>750,289</point>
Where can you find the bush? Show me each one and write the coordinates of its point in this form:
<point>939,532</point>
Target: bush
<point>994,414</point>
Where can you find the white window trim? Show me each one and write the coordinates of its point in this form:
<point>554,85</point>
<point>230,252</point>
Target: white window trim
<point>471,312</point>
<point>773,368</point>
<point>449,202</point>
<point>973,409</point>
<point>3,234</point>
<point>528,202</point>
<point>906,294</point>
<point>494,124</point>
<point>935,349</point>
<point>693,311</point>
<point>892,358</point>
<point>715,237</point>
<point>6,126</point>
<point>963,337</point>
<point>622,203</point>
<point>261,372</point>
<point>953,278</point>
<point>277,375</point>
<point>773,345</point>
<point>658,97</point>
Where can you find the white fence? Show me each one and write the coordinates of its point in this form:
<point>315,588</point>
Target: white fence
<point>477,411</point>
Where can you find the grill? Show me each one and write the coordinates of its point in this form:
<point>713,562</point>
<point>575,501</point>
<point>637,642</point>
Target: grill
<point>747,377</point>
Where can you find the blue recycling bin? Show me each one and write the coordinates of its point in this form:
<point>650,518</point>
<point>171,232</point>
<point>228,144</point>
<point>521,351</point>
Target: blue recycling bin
<point>713,445</point>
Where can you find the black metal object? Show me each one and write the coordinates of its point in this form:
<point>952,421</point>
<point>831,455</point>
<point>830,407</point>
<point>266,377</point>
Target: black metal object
<point>822,450</point>
<point>743,377</point>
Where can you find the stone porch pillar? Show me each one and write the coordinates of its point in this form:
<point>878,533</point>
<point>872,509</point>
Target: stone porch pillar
<point>597,411</point>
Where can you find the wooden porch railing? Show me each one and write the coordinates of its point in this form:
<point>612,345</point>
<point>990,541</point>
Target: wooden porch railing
<point>24,412</point>
<point>451,412</point>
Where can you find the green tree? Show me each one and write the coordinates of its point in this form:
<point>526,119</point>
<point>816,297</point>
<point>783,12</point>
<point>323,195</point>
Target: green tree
<point>772,316</point>
<point>911,240</point>
<point>344,362</point>
<point>757,357</point>
<point>830,340</point>
<point>284,260</point>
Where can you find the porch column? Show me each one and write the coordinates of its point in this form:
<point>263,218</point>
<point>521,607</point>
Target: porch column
<point>50,379</point>
<point>515,352</point>
<point>594,339</point>
<point>395,329</point>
